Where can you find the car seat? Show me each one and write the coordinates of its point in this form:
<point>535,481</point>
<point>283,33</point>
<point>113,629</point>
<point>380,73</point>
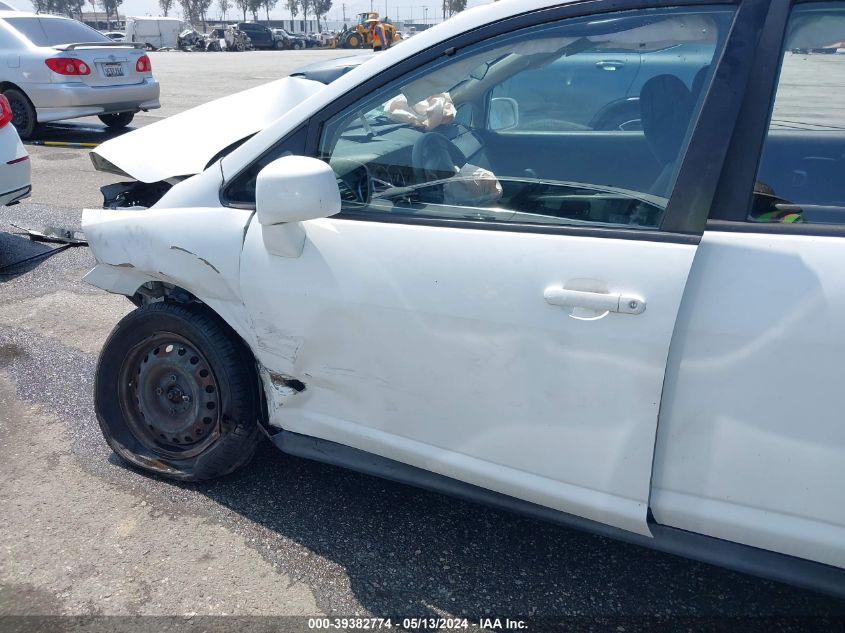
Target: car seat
<point>666,107</point>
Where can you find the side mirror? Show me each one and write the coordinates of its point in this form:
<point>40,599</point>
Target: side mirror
<point>504,114</point>
<point>291,190</point>
<point>295,189</point>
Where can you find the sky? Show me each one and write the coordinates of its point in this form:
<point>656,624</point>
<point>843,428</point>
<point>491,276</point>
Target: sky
<point>396,9</point>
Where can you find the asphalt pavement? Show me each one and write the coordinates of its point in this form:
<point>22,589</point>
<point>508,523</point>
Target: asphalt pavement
<point>83,534</point>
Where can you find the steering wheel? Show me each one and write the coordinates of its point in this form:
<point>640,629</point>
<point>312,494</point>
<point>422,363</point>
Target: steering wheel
<point>435,157</point>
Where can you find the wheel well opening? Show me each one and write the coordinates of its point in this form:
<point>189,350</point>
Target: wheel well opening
<point>156,291</point>
<point>8,85</point>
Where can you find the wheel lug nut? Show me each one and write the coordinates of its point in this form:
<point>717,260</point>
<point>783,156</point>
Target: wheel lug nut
<point>172,377</point>
<point>172,411</point>
<point>159,391</point>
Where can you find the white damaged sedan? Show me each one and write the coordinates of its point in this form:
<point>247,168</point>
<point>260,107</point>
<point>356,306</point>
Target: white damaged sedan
<point>445,267</point>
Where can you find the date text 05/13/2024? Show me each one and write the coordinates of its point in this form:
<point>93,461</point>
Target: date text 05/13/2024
<point>412,624</point>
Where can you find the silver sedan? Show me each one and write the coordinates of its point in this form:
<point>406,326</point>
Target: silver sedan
<point>58,68</point>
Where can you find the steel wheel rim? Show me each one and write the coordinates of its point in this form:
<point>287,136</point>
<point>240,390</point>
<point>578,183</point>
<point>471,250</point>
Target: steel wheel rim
<point>170,396</point>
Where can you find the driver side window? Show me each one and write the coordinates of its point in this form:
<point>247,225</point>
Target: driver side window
<point>521,128</point>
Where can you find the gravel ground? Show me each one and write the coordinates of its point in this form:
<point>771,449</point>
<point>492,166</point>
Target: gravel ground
<point>83,534</point>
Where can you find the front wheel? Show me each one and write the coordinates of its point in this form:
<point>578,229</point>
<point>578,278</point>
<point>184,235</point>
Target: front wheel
<point>176,393</point>
<point>297,45</point>
<point>24,117</point>
<point>117,120</point>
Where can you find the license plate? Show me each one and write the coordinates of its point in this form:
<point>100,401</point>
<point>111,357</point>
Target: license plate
<point>113,70</point>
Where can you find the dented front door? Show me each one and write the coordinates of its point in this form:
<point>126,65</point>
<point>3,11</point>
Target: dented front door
<point>455,351</point>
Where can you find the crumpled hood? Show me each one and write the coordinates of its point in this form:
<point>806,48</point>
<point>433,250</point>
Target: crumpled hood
<point>183,144</point>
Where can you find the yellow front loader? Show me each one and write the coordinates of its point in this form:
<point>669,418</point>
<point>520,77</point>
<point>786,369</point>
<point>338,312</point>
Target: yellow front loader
<point>361,35</point>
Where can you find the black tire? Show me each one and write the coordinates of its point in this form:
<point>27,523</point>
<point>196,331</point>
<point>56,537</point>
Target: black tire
<point>297,45</point>
<point>24,117</point>
<point>117,120</point>
<point>279,44</point>
<point>154,358</point>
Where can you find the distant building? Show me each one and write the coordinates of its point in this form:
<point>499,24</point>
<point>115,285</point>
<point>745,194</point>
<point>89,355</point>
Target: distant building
<point>97,20</point>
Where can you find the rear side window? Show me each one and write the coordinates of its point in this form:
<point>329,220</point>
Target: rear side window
<point>55,31</point>
<point>802,169</point>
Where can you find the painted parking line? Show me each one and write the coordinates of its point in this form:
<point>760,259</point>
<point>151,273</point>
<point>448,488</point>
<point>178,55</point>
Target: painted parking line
<point>62,144</point>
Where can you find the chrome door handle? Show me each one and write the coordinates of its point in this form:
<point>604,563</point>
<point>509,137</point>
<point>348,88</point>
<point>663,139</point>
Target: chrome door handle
<point>623,304</point>
<point>610,64</point>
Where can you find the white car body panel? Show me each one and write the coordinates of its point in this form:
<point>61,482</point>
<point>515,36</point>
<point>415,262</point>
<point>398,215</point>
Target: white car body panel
<point>760,333</point>
<point>15,167</point>
<point>194,137</point>
<point>410,352</point>
<point>188,246</point>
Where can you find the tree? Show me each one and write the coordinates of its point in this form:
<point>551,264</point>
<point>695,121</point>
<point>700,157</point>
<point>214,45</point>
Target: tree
<point>187,11</point>
<point>293,7</point>
<point>224,7</point>
<point>455,6</point>
<point>111,7</point>
<point>165,6</point>
<point>305,4</point>
<point>201,8</point>
<point>254,6</point>
<point>243,5</point>
<point>321,9</point>
<point>269,5</point>
<point>73,8</point>
<point>194,11</point>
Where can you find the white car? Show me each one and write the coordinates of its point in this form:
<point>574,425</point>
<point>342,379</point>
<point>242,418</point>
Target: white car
<point>15,168</point>
<point>57,68</point>
<point>115,36</point>
<point>436,270</point>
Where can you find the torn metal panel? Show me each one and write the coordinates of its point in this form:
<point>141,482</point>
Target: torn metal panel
<point>60,235</point>
<point>281,390</point>
<point>133,194</point>
<point>196,248</point>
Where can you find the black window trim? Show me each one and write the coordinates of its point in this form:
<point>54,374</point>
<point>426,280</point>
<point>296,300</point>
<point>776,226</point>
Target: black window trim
<point>776,228</point>
<point>699,171</point>
<point>736,189</point>
<point>739,172</point>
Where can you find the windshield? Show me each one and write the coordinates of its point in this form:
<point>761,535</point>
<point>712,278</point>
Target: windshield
<point>55,31</point>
